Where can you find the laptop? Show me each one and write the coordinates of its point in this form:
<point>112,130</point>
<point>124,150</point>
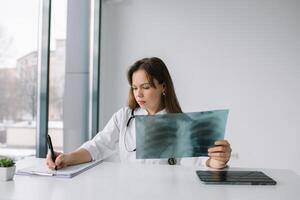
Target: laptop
<point>235,177</point>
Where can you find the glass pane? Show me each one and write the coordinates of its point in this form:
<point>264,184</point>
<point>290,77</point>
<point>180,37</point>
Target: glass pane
<point>57,72</point>
<point>18,77</point>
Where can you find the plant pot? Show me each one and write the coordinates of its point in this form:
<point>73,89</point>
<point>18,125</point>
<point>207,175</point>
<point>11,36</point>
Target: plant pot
<point>7,173</point>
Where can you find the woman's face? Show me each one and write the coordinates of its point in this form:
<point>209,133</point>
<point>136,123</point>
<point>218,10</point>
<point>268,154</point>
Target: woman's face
<point>148,97</point>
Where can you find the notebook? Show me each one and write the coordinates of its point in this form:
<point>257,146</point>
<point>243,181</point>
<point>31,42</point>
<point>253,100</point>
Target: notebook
<point>235,177</point>
<point>41,169</point>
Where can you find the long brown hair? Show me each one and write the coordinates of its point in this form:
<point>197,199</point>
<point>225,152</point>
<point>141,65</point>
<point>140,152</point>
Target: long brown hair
<point>155,68</point>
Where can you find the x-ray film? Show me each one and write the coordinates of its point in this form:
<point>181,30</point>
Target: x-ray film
<point>177,135</point>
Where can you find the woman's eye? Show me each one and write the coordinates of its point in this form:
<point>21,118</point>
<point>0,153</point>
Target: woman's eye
<point>134,88</point>
<point>146,87</point>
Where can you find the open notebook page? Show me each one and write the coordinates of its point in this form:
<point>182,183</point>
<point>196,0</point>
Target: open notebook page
<point>68,172</point>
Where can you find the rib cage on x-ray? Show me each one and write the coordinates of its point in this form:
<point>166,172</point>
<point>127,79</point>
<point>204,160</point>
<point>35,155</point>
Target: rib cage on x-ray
<point>179,134</point>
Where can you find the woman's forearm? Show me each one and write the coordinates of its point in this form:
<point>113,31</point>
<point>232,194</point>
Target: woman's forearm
<point>79,156</point>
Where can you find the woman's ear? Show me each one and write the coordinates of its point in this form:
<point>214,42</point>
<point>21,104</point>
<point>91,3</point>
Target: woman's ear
<point>164,89</point>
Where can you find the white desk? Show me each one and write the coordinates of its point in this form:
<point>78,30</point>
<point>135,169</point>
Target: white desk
<point>136,181</point>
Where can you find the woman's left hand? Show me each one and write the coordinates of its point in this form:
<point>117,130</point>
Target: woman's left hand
<point>219,155</point>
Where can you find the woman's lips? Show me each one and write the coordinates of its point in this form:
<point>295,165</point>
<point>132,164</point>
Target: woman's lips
<point>141,102</point>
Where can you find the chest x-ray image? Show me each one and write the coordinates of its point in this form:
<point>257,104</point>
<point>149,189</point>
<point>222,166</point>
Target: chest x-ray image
<point>177,135</point>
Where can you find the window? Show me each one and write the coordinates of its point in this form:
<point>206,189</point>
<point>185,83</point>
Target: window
<point>18,77</point>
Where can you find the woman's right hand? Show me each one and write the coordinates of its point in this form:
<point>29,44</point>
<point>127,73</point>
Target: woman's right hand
<point>60,160</point>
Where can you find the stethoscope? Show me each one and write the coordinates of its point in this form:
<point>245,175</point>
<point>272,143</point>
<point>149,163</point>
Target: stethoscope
<point>127,125</point>
<point>171,161</point>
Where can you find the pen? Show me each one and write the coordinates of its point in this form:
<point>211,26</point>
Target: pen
<point>51,149</point>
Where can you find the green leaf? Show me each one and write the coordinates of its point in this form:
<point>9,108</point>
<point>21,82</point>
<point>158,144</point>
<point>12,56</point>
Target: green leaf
<point>6,162</point>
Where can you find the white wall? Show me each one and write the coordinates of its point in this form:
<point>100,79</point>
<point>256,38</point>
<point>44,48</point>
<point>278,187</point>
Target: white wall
<point>241,55</point>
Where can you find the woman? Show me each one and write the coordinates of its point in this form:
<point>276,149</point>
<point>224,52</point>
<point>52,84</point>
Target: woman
<point>152,92</point>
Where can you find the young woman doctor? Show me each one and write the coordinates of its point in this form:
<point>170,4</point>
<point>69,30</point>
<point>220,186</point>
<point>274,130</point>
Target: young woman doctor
<point>152,93</point>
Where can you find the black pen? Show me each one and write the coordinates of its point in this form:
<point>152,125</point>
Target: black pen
<point>51,149</point>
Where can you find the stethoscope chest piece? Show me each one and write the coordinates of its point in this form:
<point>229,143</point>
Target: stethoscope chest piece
<point>172,161</point>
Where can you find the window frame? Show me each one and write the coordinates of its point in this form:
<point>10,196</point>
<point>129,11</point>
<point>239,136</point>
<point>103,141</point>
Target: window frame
<point>94,76</point>
<point>43,78</point>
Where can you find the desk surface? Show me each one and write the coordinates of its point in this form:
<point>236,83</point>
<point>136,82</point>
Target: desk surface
<point>138,181</point>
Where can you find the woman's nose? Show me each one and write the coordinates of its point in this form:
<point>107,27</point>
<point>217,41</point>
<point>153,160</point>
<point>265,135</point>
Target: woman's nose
<point>140,93</point>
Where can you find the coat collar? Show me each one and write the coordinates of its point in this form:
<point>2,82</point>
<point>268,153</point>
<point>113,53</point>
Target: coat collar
<point>141,111</point>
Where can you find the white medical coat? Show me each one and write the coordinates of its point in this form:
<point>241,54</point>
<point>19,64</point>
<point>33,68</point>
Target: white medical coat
<point>110,143</point>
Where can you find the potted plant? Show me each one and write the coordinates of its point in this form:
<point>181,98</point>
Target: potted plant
<point>7,169</point>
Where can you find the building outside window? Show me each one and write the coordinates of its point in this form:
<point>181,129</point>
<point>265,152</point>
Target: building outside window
<point>18,76</point>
